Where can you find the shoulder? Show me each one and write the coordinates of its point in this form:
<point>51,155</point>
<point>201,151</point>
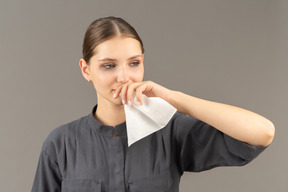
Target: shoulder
<point>180,122</point>
<point>183,125</point>
<point>177,117</point>
<point>183,120</point>
<point>68,129</point>
<point>57,138</point>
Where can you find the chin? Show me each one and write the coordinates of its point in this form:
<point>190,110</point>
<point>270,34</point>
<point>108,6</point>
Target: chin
<point>117,101</point>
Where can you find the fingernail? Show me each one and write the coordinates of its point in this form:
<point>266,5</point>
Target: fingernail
<point>129,102</point>
<point>114,96</point>
<point>137,102</point>
<point>123,102</point>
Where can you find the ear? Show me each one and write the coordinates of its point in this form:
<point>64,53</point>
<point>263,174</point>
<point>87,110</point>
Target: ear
<point>84,69</point>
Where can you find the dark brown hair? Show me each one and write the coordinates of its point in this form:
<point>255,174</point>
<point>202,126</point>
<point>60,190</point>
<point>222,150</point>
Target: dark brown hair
<point>103,29</point>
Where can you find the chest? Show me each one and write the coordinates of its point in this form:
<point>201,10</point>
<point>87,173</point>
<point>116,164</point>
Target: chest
<point>110,163</point>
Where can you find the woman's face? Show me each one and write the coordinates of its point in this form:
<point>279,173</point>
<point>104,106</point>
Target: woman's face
<point>116,61</point>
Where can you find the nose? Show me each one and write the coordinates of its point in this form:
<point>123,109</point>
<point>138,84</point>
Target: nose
<point>123,76</point>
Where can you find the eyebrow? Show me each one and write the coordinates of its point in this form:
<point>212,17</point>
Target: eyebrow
<point>110,59</point>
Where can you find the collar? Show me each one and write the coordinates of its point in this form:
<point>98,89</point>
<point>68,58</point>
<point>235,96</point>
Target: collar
<point>105,130</point>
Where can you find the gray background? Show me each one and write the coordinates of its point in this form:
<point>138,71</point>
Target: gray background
<point>231,51</point>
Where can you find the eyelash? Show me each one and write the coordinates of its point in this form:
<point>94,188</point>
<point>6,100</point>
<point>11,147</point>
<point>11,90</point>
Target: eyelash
<point>108,66</point>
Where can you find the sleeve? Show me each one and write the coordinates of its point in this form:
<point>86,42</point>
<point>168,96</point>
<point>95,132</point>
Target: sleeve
<point>47,177</point>
<point>201,147</point>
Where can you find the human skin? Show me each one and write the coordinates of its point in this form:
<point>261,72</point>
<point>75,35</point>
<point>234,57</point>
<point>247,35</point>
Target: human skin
<point>115,62</point>
<point>115,86</point>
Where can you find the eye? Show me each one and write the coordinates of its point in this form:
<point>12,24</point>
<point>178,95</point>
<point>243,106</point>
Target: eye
<point>109,66</point>
<point>135,63</point>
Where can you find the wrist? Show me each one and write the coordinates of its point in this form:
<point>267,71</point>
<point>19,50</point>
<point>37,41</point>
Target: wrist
<point>172,98</point>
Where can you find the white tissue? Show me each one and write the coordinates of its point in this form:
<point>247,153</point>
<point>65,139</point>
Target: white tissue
<point>143,120</point>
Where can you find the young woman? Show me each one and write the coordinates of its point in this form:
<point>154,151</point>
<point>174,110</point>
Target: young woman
<point>91,153</point>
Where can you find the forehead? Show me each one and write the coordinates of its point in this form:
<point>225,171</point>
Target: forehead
<point>118,48</point>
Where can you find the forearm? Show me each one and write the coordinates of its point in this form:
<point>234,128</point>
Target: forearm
<point>238,123</point>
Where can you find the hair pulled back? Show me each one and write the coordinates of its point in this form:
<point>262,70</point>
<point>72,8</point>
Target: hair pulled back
<point>103,29</point>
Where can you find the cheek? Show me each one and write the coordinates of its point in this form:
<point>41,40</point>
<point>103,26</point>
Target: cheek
<point>137,75</point>
<point>103,79</point>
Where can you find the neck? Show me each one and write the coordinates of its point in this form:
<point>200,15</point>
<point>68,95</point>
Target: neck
<point>110,114</point>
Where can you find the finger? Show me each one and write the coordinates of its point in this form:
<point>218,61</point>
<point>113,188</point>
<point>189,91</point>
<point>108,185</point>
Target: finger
<point>123,93</point>
<point>117,92</point>
<point>139,92</point>
<point>130,92</point>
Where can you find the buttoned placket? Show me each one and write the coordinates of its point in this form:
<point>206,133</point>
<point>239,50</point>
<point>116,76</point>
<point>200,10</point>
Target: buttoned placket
<point>116,165</point>
<point>117,147</point>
